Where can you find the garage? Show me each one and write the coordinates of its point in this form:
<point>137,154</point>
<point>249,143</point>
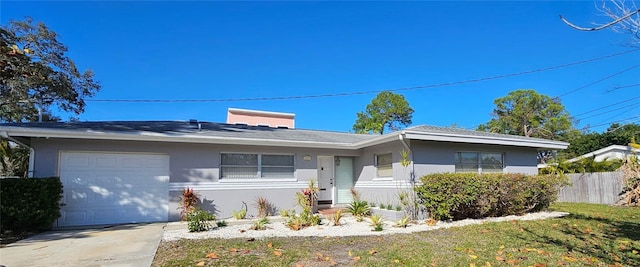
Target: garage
<point>113,188</point>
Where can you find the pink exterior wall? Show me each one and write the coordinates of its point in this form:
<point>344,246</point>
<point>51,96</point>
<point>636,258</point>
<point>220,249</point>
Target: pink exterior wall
<point>259,118</point>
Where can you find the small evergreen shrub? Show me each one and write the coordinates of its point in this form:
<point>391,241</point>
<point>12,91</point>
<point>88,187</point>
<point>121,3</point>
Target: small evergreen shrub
<point>469,195</point>
<point>28,204</point>
<point>199,220</point>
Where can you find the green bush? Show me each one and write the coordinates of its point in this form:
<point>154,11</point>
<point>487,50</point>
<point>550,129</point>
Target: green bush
<point>29,204</point>
<point>468,195</point>
<point>199,220</point>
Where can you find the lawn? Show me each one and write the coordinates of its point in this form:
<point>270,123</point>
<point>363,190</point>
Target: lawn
<point>593,235</point>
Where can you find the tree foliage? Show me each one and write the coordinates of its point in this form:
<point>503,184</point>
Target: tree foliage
<point>36,72</point>
<point>386,111</point>
<point>527,113</point>
<point>14,159</point>
<point>616,134</point>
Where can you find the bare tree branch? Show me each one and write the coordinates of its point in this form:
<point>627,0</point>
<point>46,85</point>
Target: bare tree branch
<point>614,22</point>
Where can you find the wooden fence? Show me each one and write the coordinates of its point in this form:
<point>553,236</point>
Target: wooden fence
<point>598,187</point>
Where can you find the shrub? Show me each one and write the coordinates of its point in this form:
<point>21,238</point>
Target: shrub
<point>240,214</point>
<point>376,222</point>
<point>188,202</point>
<point>469,195</point>
<point>199,220</point>
<point>221,223</point>
<point>28,204</point>
<point>403,223</point>
<point>359,209</point>
<point>336,217</point>
<point>263,206</point>
<point>260,224</point>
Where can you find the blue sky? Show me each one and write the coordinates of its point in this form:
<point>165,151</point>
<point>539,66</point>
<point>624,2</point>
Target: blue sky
<point>222,50</point>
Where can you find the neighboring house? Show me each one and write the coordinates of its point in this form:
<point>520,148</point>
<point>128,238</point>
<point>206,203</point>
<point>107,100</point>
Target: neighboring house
<point>134,171</point>
<point>610,152</point>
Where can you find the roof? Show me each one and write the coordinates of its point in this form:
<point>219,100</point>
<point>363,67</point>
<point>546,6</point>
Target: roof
<point>210,132</point>
<point>612,149</point>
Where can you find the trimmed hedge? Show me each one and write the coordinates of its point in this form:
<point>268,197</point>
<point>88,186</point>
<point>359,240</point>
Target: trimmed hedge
<point>29,203</point>
<point>468,195</point>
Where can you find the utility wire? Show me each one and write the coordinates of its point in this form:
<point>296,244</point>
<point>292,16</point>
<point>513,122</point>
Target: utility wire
<point>601,108</point>
<point>607,123</point>
<point>623,86</point>
<point>608,111</point>
<point>375,91</point>
<point>598,81</point>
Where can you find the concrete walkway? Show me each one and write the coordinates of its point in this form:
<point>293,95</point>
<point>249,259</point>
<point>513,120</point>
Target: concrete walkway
<point>121,245</point>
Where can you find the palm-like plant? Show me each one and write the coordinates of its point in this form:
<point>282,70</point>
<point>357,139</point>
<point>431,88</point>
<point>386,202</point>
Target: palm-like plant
<point>359,209</point>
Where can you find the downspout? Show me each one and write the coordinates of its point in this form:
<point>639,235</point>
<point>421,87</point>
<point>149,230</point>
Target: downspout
<point>402,137</point>
<point>32,151</point>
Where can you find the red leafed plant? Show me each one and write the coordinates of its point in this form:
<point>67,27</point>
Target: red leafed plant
<point>188,202</point>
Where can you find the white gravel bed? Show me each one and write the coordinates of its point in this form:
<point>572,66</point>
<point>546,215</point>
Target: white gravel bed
<point>349,227</point>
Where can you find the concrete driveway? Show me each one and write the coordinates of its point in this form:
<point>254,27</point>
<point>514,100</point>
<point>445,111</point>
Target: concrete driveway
<point>120,245</point>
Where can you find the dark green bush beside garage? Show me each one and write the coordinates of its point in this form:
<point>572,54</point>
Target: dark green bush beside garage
<point>29,204</point>
<point>470,195</point>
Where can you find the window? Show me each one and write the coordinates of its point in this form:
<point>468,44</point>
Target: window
<point>384,165</point>
<point>253,166</point>
<point>479,162</point>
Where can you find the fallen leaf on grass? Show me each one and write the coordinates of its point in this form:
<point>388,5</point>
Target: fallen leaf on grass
<point>299,265</point>
<point>350,254</point>
<point>270,245</point>
<point>356,258</point>
<point>373,251</point>
<point>213,255</point>
<point>499,258</point>
<point>277,252</point>
<point>539,265</point>
<point>200,263</point>
<point>334,263</point>
<point>500,252</point>
<point>233,250</point>
<point>319,256</point>
<point>473,256</point>
<point>472,264</point>
<point>634,251</point>
<point>487,264</point>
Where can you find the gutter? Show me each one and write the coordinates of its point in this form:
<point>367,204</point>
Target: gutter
<point>32,152</point>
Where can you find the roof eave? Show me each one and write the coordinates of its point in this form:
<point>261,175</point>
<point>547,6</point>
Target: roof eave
<point>534,143</point>
<point>158,137</point>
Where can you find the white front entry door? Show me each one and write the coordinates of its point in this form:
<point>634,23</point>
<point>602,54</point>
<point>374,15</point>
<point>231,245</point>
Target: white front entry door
<point>325,178</point>
<point>109,188</point>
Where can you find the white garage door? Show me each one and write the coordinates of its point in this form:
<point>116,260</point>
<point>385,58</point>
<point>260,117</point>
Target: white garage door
<point>108,188</point>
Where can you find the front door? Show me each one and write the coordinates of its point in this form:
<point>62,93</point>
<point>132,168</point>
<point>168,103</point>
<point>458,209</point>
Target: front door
<point>325,179</point>
<point>344,179</point>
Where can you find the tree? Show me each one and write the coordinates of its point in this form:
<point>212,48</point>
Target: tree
<point>386,111</point>
<point>36,75</point>
<point>527,113</point>
<point>625,18</point>
<point>616,134</point>
<point>14,160</point>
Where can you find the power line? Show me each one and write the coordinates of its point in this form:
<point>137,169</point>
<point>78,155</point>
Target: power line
<point>623,86</point>
<point>599,80</point>
<point>601,108</point>
<point>606,123</point>
<point>372,91</point>
<point>608,111</point>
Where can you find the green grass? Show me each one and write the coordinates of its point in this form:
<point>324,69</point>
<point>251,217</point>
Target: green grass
<point>593,235</point>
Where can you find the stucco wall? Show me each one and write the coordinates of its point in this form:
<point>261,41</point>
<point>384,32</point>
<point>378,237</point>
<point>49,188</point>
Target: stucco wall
<point>429,157</point>
<point>437,157</point>
<point>197,166</point>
